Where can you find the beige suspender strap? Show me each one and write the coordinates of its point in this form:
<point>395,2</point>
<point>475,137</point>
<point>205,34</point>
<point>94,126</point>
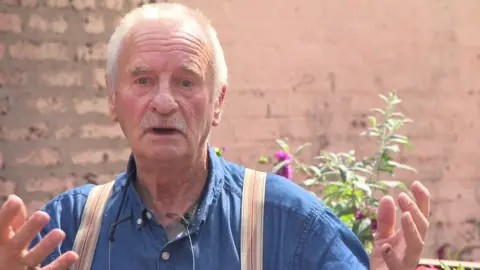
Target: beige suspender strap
<point>253,199</point>
<point>87,235</point>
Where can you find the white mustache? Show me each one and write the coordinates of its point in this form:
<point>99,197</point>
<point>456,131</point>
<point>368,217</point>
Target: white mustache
<point>150,120</point>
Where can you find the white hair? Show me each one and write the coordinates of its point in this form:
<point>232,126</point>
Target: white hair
<point>168,10</point>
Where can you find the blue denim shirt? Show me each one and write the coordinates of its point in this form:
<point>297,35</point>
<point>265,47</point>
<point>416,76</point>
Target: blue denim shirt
<point>300,232</point>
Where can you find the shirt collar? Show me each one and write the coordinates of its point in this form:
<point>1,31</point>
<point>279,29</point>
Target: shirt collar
<point>209,197</point>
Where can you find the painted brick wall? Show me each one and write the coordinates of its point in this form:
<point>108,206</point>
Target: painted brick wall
<point>308,70</point>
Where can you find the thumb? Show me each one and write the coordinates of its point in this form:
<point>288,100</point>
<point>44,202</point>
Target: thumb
<point>391,259</point>
<point>385,218</point>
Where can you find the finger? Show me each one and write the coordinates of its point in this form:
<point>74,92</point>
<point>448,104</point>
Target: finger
<point>40,251</point>
<point>19,219</point>
<point>385,218</point>
<point>391,259</point>
<point>422,197</point>
<point>412,239</point>
<point>407,205</point>
<point>63,262</point>
<point>26,234</point>
<point>9,210</point>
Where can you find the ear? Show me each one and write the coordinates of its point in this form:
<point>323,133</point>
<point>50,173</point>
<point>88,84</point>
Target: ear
<point>111,100</point>
<point>217,114</point>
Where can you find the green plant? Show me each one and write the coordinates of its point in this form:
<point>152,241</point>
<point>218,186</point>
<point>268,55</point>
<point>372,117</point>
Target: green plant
<point>440,265</point>
<point>350,185</point>
<point>446,267</point>
<point>219,151</point>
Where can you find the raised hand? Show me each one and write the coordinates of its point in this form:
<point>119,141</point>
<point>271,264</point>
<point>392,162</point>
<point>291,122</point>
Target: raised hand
<point>401,250</point>
<point>16,233</point>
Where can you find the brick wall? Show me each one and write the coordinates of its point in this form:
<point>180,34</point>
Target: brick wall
<point>308,70</point>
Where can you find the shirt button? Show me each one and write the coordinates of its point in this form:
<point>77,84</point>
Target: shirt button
<point>149,215</point>
<point>139,221</point>
<point>165,255</point>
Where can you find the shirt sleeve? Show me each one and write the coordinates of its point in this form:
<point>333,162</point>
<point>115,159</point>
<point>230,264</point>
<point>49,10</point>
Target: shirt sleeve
<point>330,245</point>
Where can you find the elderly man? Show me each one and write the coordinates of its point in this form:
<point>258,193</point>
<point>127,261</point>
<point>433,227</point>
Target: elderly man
<point>179,206</point>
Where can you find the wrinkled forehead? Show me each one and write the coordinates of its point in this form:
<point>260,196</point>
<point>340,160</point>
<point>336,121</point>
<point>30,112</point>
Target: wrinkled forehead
<point>166,37</point>
<point>170,27</point>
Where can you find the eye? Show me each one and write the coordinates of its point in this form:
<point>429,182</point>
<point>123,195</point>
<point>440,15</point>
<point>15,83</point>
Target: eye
<point>186,83</point>
<point>142,81</point>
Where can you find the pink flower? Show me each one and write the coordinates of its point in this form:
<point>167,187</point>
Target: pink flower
<point>286,171</point>
<point>282,155</point>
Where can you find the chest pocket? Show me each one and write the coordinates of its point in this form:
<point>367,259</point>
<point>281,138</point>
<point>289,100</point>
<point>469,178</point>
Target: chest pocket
<point>253,200</point>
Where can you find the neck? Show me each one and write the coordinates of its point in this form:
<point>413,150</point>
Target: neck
<point>170,191</point>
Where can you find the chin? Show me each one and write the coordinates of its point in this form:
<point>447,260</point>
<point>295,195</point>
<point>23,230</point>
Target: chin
<point>166,152</point>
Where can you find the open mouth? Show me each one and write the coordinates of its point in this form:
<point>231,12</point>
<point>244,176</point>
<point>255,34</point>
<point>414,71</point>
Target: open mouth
<point>163,131</point>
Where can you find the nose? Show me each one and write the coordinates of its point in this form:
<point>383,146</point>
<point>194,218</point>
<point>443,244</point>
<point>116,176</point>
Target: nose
<point>164,102</point>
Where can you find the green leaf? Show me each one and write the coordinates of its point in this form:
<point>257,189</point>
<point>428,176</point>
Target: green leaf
<point>283,145</point>
<point>401,166</point>
<point>361,169</point>
<point>336,183</point>
<point>444,266</point>
<point>218,151</point>
<point>327,174</point>
<point>344,172</point>
<point>398,140</point>
<point>395,100</point>
<point>347,219</point>
<point>332,157</point>
<point>394,148</point>
<point>384,166</point>
<point>379,187</point>
<point>364,187</point>
<point>310,182</point>
<point>300,148</point>
<point>380,111</point>
<point>364,225</point>
<point>372,120</point>
<point>391,183</point>
<point>398,114</point>
<point>263,160</point>
<point>394,124</point>
<point>280,165</point>
<point>315,170</point>
<point>343,209</point>
<point>384,98</point>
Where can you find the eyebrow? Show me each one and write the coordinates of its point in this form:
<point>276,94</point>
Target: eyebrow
<point>137,70</point>
<point>191,68</point>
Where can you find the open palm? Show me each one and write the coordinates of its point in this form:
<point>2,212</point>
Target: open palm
<point>401,249</point>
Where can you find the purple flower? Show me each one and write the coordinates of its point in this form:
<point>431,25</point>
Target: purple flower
<point>286,171</point>
<point>359,215</point>
<point>374,225</point>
